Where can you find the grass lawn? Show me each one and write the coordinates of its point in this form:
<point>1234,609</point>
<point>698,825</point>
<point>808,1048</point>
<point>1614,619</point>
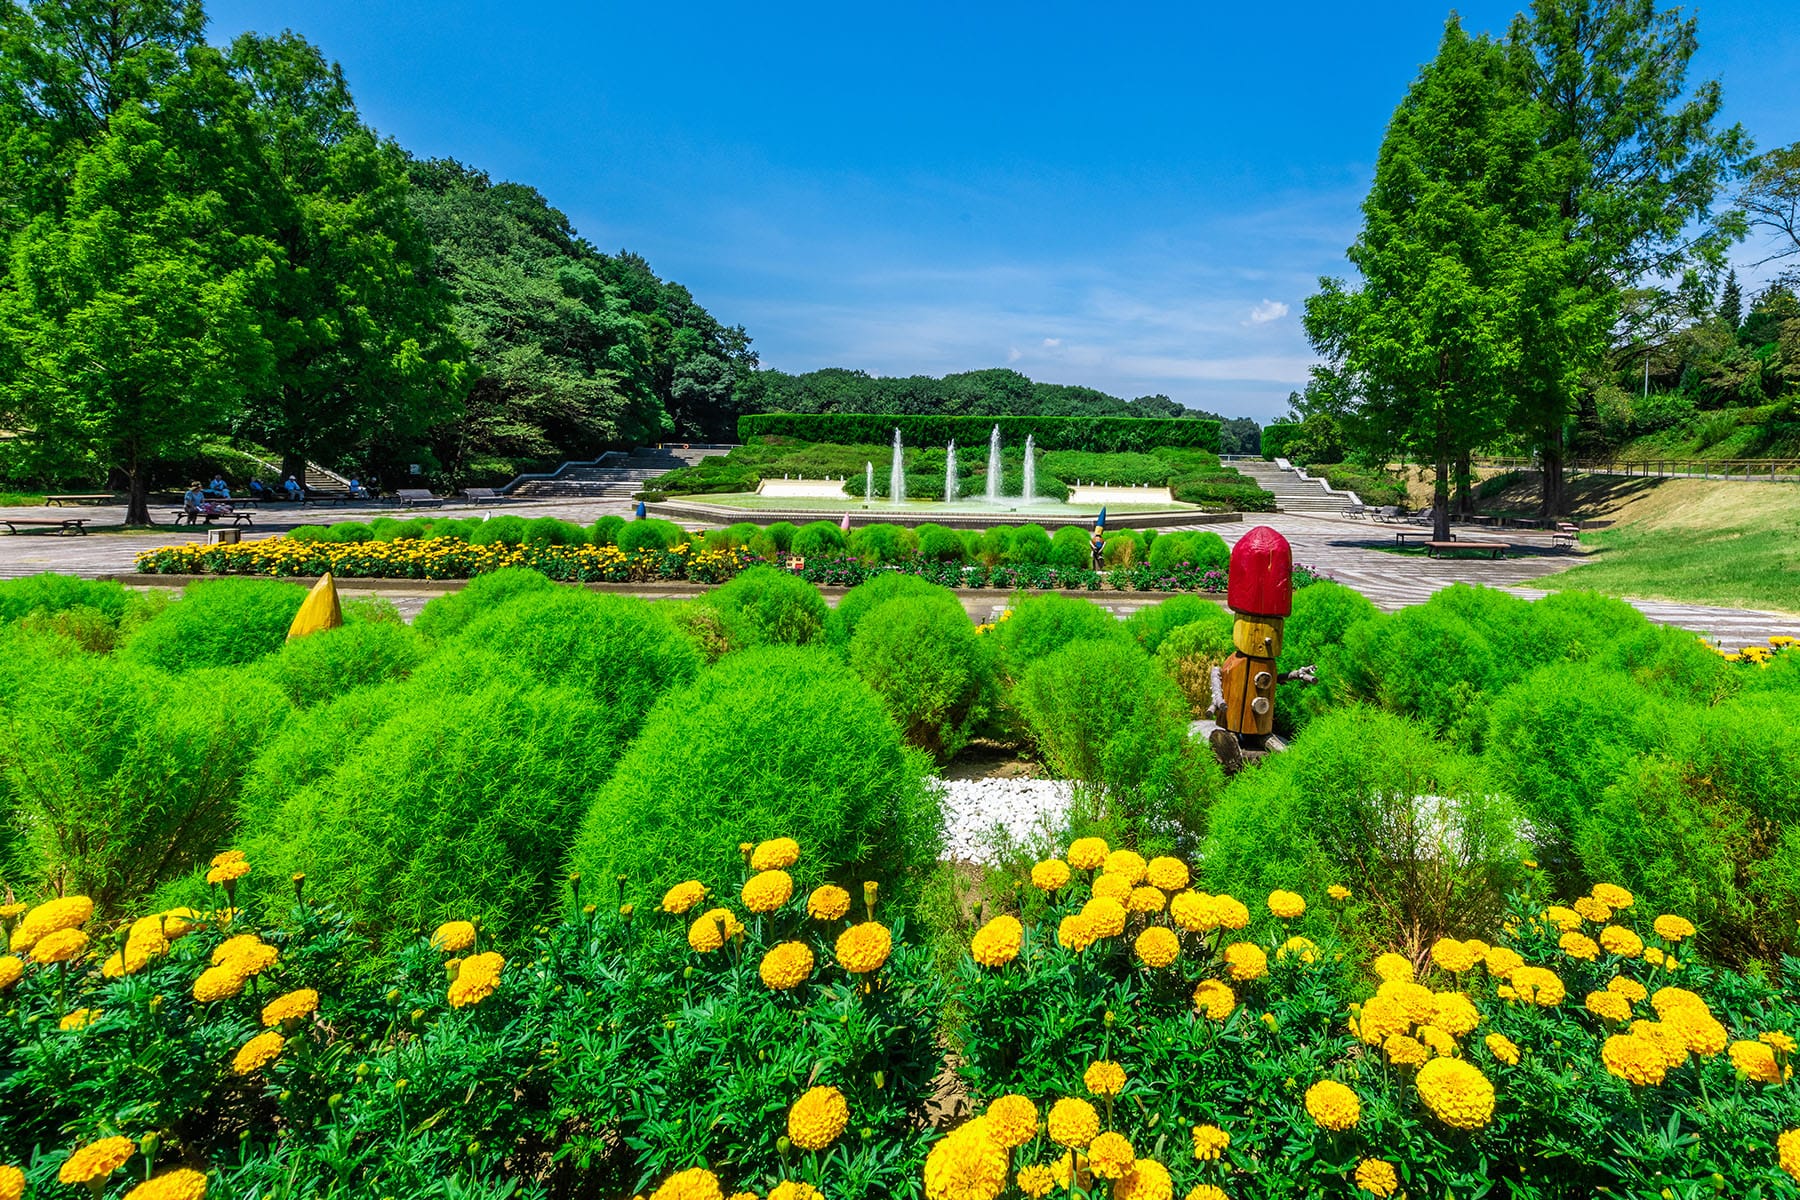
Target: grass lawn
<point>21,499</point>
<point>1698,542</point>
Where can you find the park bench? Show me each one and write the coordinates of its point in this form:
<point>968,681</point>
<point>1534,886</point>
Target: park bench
<point>412,497</point>
<point>1389,512</point>
<point>1565,537</point>
<point>198,518</point>
<point>1400,535</point>
<point>64,525</point>
<point>78,498</point>
<point>1433,549</point>
<point>1356,510</point>
<point>481,494</point>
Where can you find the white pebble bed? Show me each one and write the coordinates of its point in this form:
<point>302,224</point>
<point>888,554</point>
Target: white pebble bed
<point>983,818</point>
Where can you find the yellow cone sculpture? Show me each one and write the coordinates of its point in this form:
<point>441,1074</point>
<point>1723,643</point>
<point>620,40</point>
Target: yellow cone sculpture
<point>319,611</point>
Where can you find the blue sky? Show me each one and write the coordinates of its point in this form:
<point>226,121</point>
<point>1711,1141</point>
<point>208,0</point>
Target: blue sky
<point>1135,198</point>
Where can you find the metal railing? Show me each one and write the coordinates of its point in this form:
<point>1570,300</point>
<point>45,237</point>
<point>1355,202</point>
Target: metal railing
<point>1751,470</point>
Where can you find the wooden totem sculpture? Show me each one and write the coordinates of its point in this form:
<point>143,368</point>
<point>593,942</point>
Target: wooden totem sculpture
<point>1260,593</point>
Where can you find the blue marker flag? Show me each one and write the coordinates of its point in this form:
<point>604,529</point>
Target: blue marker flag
<point>1100,521</point>
<point>638,513</point>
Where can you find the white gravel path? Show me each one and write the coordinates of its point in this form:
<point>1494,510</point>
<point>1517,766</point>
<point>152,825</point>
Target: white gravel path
<point>984,818</point>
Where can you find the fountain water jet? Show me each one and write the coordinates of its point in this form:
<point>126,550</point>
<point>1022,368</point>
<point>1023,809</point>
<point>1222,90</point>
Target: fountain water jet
<point>868,482</point>
<point>950,472</point>
<point>897,473</point>
<point>994,468</point>
<point>1029,495</point>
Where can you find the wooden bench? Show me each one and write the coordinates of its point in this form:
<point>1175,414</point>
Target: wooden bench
<point>63,525</point>
<point>412,497</point>
<point>78,498</point>
<point>198,518</point>
<point>1433,549</point>
<point>1565,537</point>
<point>1400,535</point>
<point>484,495</point>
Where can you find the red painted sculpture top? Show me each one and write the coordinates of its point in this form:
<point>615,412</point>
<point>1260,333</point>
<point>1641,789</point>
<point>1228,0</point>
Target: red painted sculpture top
<point>1261,582</point>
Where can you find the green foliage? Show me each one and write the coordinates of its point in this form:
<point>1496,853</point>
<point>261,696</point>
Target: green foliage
<point>1069,548</point>
<point>883,543</point>
<point>218,623</point>
<point>1154,622</point>
<point>606,530</point>
<point>772,742</point>
<point>772,606</point>
<point>1323,614</point>
<point>1095,434</point>
<point>1201,548</point>
<point>650,534</point>
<point>504,530</point>
<point>865,597</point>
<point>1189,654</point>
<point>1040,625</point>
<point>1275,438</point>
<point>938,544</point>
<point>934,673</point>
<point>1422,662</point>
<point>358,654</point>
<point>50,592</point>
<point>447,615</point>
<point>817,538</point>
<point>1029,544</point>
<point>1421,836</point>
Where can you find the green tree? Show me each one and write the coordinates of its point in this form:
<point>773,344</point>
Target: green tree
<point>1771,197</point>
<point>1731,303</point>
<point>1640,166</point>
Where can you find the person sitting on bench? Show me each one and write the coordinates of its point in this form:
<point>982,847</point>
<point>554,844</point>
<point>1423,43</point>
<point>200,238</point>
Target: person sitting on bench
<point>358,491</point>
<point>191,502</point>
<point>294,488</point>
<point>218,488</point>
<point>259,492</point>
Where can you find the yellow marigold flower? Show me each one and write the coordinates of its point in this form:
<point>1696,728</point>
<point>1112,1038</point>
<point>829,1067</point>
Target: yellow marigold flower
<point>967,1164</point>
<point>1665,1038</point>
<point>817,1118</point>
<point>683,896</point>
<point>254,1054</point>
<point>179,922</point>
<point>1286,905</point>
<point>1194,911</point>
<point>711,928</point>
<point>1075,932</point>
<point>9,911</point>
<point>1051,875</point>
<point>997,943</point>
<point>1231,911</point>
<point>1671,928</point>
<point>1110,1156</point>
<point>97,1160</point>
<point>1628,987</point>
<point>787,966</point>
<point>302,1002</point>
<point>1305,949</point>
<point>1538,985</point>
<point>1454,956</point>
<point>1207,1191</point>
<point>1404,1051</point>
<point>1012,1121</point>
<point>1383,1015</point>
<point>219,983</point>
<point>1073,1122</point>
<point>11,970</point>
<point>788,1189</point>
<point>1503,1048</point>
<point>696,1183</point>
<point>249,954</point>
<point>1210,1143</point>
<point>1087,854</point>
<point>1377,1177</point>
<point>1391,966</point>
<point>1564,919</point>
<point>1147,1180</point>
<point>1579,945</point>
<point>1169,874</point>
<point>1157,947</point>
<point>1440,1040</point>
<point>1610,1006</point>
<point>229,872</point>
<point>452,937</point>
<point>183,1183</point>
<point>227,856</point>
<point>1613,896</point>
<point>1780,1041</point>
<point>1111,887</point>
<point>67,912</point>
<point>1656,958</point>
<point>1145,899</point>
<point>1701,1031</point>
<point>767,891</point>
<point>1333,1106</point>
<point>1246,961</point>
<point>1755,1061</point>
<point>1787,1149</point>
<point>476,980</point>
<point>1456,1092</point>
<point>1454,1012</point>
<point>1502,961</point>
<point>776,854</point>
<point>1590,909</point>
<point>1128,863</point>
<point>1620,941</point>
<point>64,945</point>
<point>1668,999</point>
<point>828,903</point>
<point>12,1182</point>
<point>1419,1001</point>
<point>1104,1078</point>
<point>1338,892</point>
<point>864,948</point>
<point>1633,1058</point>
<point>81,1018</point>
<point>1106,916</point>
<point>1036,1181</point>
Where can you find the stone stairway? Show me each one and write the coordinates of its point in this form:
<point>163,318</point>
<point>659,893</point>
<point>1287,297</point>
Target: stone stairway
<point>614,476</point>
<point>1293,494</point>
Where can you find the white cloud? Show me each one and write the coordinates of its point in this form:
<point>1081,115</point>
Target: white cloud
<point>1268,310</point>
<point>1013,355</point>
<point>1052,343</point>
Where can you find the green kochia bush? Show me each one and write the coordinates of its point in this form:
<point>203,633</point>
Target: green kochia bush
<point>1154,622</point>
<point>773,606</point>
<point>924,659</point>
<point>883,543</point>
<point>333,661</point>
<point>51,592</point>
<point>864,598</point>
<point>1425,840</point>
<point>218,623</point>
<point>816,538</point>
<point>447,615</point>
<point>1044,623</point>
<point>775,741</point>
<point>650,534</point>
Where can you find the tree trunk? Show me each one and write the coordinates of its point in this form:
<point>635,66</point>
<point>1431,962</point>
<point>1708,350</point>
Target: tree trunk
<point>1555,488</point>
<point>137,493</point>
<point>1440,498</point>
<point>1465,493</point>
<point>295,465</point>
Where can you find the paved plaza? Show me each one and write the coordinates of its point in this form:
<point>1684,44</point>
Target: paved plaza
<point>1345,550</point>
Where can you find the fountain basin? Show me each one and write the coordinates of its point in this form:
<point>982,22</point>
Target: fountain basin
<point>730,508</point>
<point>1109,496</point>
<point>804,489</point>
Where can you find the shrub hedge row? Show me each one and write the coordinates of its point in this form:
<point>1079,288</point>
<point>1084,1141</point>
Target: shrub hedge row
<point>1103,435</point>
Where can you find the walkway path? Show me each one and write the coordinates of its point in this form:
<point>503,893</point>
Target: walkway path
<point>1342,549</point>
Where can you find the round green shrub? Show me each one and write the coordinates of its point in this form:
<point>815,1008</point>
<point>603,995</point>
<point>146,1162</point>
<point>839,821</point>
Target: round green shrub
<point>782,534</point>
<point>883,543</point>
<point>1581,625</point>
<point>776,607</point>
<point>507,530</point>
<point>938,544</point>
<point>51,592</point>
<point>996,546</point>
<point>650,534</point>
<point>447,615</point>
<point>1200,548</point>
<point>1123,548</point>
<point>1323,614</point>
<point>312,534</point>
<point>348,532</point>
<point>865,597</point>
<point>713,631</point>
<point>1154,622</point>
<point>394,529</point>
<point>620,650</point>
<point>606,530</point>
<point>741,533</point>
<point>333,661</point>
<point>1030,544</point>
<point>817,538</point>
<point>1425,663</point>
<point>934,673</point>
<point>460,527</point>
<point>548,531</point>
<point>1188,655</point>
<point>778,741</point>
<point>218,623</point>
<point>1672,663</point>
<point>1042,624</point>
<point>1069,548</point>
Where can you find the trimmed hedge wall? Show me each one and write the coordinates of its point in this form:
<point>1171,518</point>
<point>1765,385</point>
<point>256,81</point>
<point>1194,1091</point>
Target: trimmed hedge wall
<point>1275,438</point>
<point>1099,435</point>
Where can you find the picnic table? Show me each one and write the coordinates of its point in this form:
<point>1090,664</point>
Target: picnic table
<point>77,498</point>
<point>64,525</point>
<point>1434,548</point>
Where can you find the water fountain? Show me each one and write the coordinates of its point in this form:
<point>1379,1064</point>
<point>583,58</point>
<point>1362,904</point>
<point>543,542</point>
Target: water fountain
<point>950,472</point>
<point>994,469</point>
<point>868,482</point>
<point>1029,496</point>
<point>897,473</point>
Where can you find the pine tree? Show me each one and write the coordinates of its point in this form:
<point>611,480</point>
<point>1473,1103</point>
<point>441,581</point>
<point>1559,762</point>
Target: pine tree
<point>1731,303</point>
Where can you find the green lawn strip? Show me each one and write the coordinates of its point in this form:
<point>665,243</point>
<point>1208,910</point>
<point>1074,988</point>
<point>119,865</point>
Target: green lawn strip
<point>1755,566</point>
